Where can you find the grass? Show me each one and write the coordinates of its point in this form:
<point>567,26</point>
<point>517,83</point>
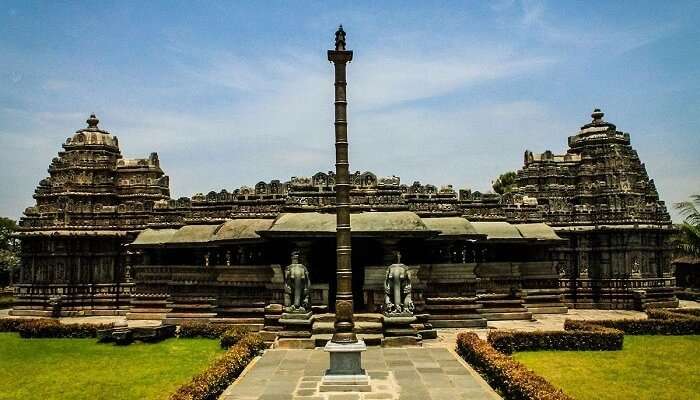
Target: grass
<point>78,369</point>
<point>648,367</point>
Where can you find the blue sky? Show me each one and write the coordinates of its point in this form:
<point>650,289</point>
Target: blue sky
<point>231,93</point>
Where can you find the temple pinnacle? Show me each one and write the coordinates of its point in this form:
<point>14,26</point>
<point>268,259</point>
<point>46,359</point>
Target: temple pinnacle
<point>597,115</point>
<point>92,122</point>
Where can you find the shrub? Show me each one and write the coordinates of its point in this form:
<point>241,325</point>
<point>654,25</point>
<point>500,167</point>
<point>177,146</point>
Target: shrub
<point>673,314</point>
<point>210,383</point>
<point>10,324</point>
<point>678,326</point>
<point>695,312</point>
<point>51,328</point>
<point>510,377</point>
<point>232,336</point>
<point>594,339</point>
<point>196,329</point>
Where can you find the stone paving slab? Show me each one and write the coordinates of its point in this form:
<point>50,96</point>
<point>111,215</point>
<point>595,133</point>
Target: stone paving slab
<point>396,374</point>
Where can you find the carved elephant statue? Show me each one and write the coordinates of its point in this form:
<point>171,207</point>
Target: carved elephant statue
<point>297,284</point>
<point>397,290</point>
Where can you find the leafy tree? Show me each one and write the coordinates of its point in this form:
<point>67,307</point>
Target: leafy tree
<point>505,183</point>
<point>9,248</point>
<point>688,241</point>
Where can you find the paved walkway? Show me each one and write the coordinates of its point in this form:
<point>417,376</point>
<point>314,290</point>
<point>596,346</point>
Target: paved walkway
<point>396,373</point>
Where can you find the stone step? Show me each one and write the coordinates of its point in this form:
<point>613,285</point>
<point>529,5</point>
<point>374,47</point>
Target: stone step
<point>30,313</point>
<point>548,310</point>
<point>500,303</point>
<point>148,302</point>
<point>371,339</point>
<point>434,317</point>
<point>242,303</point>
<point>542,297</point>
<point>364,317</point>
<point>494,296</point>
<point>552,304</point>
<point>449,300</point>
<point>528,292</point>
<point>508,316</point>
<point>452,307</point>
<point>196,315</point>
<point>190,306</point>
<point>145,316</point>
<point>501,310</point>
<point>149,310</point>
<point>187,299</point>
<point>459,323</point>
<point>360,327</point>
<point>236,321</point>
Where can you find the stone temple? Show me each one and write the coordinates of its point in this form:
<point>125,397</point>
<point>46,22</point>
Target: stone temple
<point>584,229</point>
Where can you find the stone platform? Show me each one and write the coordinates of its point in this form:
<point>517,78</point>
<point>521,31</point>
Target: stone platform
<point>396,373</point>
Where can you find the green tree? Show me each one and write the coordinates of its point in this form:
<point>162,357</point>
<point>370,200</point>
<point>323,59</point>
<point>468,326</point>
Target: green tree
<point>505,183</point>
<point>9,248</point>
<point>688,240</point>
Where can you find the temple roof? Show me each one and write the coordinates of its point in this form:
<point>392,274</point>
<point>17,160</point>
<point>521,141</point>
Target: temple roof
<point>313,223</point>
<point>242,229</point>
<point>194,234</point>
<point>310,224</point>
<point>154,237</point>
<point>451,226</point>
<point>505,230</point>
<point>497,230</point>
<point>539,231</point>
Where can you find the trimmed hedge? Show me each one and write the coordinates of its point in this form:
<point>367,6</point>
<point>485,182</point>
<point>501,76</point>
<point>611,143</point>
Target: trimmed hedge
<point>196,329</point>
<point>232,336</point>
<point>510,377</point>
<point>51,328</point>
<point>210,383</point>
<point>677,326</point>
<point>596,338</point>
<point>695,312</point>
<point>11,324</point>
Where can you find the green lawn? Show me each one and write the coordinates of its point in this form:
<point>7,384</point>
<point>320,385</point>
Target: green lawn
<point>83,369</point>
<point>648,367</point>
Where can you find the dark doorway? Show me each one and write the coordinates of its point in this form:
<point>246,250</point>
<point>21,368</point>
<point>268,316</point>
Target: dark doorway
<point>365,252</point>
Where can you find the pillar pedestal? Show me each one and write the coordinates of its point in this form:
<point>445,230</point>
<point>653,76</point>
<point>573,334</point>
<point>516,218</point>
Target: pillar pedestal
<point>345,373</point>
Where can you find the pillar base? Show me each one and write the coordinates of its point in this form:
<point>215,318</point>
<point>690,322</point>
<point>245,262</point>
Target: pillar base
<point>345,373</point>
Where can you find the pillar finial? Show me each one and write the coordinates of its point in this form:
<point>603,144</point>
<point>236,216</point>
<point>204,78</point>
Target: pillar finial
<point>340,39</point>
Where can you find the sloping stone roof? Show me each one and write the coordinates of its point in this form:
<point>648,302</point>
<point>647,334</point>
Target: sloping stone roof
<point>242,229</point>
<point>497,230</point>
<point>451,226</point>
<point>367,222</point>
<point>194,234</point>
<point>539,231</point>
<point>154,237</point>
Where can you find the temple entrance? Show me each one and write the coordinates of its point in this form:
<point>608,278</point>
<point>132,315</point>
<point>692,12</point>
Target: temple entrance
<point>365,252</point>
<point>322,266</point>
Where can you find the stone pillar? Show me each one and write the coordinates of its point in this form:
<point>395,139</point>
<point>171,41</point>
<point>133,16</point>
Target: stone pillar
<point>343,305</point>
<point>345,373</point>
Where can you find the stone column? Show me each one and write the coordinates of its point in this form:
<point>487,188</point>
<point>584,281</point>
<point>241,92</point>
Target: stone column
<point>344,349</point>
<point>343,304</point>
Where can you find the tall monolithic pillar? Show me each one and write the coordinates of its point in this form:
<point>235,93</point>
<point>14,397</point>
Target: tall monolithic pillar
<point>343,303</point>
